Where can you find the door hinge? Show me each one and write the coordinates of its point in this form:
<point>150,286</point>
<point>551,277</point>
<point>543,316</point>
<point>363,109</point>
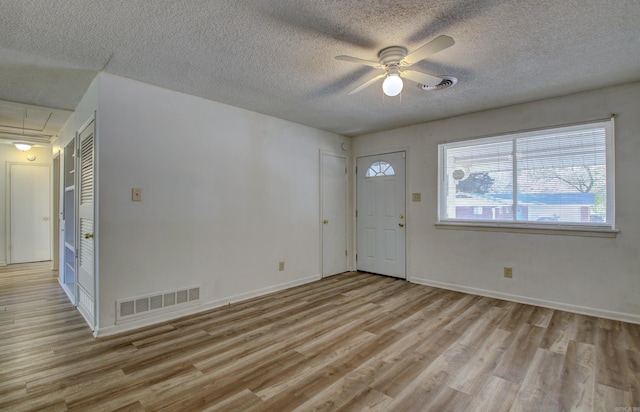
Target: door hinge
<point>345,252</point>
<point>356,169</point>
<point>356,213</point>
<point>356,257</point>
<point>345,170</point>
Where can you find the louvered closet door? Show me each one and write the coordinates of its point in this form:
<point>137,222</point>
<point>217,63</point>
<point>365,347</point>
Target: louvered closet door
<point>85,187</point>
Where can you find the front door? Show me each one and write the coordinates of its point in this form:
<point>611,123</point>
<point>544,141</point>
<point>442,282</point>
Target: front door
<point>29,208</point>
<point>334,214</point>
<point>85,260</point>
<point>380,214</point>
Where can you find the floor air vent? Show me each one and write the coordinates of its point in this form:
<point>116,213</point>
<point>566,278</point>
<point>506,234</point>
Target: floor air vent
<point>132,308</point>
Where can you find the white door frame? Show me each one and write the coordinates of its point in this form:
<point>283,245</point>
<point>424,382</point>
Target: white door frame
<point>346,208</point>
<point>354,198</point>
<point>55,190</point>
<point>8,204</point>
<point>68,162</point>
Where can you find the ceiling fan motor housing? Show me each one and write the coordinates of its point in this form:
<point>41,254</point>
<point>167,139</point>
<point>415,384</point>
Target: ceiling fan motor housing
<point>392,55</point>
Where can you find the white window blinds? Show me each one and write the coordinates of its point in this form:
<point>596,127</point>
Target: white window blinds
<point>551,177</point>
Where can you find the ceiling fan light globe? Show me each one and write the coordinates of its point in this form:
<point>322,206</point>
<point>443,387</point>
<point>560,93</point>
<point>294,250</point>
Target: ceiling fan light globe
<point>392,85</point>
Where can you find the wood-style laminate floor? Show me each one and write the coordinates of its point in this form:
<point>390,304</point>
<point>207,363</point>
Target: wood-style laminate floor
<point>350,342</point>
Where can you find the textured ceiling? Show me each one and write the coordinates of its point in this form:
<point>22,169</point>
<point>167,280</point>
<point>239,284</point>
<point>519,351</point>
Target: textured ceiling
<point>277,56</point>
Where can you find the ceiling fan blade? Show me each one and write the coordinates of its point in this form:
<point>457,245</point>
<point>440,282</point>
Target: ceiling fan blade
<point>438,44</point>
<point>421,78</point>
<point>359,61</point>
<point>367,84</point>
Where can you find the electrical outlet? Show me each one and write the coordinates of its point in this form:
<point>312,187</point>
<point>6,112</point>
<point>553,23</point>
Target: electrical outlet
<point>416,197</point>
<point>281,266</point>
<point>136,194</point>
<point>508,272</point>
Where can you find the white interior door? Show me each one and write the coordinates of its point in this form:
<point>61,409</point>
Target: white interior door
<point>85,224</point>
<point>381,214</point>
<point>30,209</point>
<point>334,214</point>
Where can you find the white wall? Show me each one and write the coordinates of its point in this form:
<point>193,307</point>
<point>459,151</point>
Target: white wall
<point>83,112</point>
<point>227,194</point>
<point>9,153</point>
<point>591,275</point>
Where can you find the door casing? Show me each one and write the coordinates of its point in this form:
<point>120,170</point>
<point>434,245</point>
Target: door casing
<point>56,216</point>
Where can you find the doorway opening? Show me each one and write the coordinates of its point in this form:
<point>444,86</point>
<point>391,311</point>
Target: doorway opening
<point>29,212</point>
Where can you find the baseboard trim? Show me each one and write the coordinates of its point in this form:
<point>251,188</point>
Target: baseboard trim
<point>281,286</point>
<point>3,263</point>
<point>195,309</point>
<point>583,310</point>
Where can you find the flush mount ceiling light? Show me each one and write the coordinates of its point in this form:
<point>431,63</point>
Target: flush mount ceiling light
<point>22,146</point>
<point>395,62</point>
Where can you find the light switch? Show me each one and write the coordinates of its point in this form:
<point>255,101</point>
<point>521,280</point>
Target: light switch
<point>136,194</point>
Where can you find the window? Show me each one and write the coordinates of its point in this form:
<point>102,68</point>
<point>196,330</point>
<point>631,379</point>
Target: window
<point>561,177</point>
<point>380,168</point>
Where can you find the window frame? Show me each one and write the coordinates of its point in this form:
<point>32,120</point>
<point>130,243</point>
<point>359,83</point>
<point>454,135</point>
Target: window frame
<point>607,227</point>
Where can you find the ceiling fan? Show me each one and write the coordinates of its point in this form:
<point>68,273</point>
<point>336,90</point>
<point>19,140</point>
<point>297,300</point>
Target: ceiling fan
<point>394,61</point>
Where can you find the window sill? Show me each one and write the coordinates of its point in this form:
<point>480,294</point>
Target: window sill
<point>538,230</point>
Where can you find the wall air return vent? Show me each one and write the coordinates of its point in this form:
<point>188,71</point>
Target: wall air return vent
<point>155,304</point>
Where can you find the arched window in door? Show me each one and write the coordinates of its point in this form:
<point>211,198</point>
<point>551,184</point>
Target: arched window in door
<point>380,168</point>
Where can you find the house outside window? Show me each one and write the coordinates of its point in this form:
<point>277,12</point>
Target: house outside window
<point>559,177</point>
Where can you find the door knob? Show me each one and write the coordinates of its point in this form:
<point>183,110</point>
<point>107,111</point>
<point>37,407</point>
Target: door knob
<point>326,221</point>
<point>45,218</point>
<point>88,235</point>
<point>401,224</point>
